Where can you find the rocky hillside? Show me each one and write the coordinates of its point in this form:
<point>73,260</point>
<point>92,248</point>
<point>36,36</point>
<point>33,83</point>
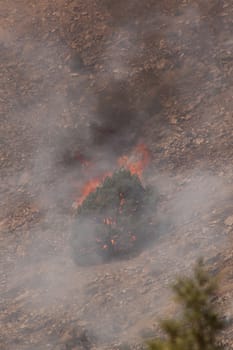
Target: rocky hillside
<point>89,80</point>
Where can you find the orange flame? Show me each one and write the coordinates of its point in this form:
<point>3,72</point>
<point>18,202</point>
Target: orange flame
<point>135,163</point>
<point>89,187</point>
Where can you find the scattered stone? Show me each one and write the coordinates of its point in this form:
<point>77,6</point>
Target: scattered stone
<point>229,221</point>
<point>173,120</point>
<point>199,141</point>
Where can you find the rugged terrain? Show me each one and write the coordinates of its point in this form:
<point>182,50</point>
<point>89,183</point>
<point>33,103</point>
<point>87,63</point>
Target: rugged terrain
<point>95,77</point>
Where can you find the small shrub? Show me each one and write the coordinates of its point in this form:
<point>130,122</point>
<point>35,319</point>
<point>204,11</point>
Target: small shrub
<point>115,219</point>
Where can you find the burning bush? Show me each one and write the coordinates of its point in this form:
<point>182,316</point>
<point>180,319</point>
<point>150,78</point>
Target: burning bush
<point>115,219</point>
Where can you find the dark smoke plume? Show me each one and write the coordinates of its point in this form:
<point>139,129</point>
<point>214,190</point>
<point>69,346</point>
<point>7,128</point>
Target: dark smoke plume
<point>115,124</point>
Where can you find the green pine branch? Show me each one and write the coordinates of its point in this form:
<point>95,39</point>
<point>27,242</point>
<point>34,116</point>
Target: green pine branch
<point>200,323</point>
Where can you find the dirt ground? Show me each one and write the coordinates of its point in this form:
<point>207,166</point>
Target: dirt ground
<point>155,71</point>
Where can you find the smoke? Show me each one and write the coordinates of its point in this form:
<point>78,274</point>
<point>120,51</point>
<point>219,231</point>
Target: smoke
<point>143,79</point>
<point>115,126</point>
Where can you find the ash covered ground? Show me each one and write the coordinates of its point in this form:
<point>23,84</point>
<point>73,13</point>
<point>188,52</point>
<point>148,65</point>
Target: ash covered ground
<point>89,80</point>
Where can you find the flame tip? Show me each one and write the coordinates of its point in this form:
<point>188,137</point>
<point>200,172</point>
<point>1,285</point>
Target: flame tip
<point>135,164</point>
